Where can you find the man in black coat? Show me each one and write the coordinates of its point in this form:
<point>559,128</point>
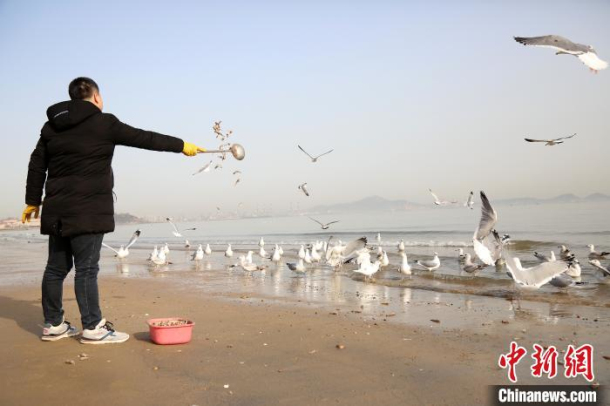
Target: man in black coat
<point>72,161</point>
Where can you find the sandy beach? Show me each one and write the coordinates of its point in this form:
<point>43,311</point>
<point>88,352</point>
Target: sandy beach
<point>257,350</point>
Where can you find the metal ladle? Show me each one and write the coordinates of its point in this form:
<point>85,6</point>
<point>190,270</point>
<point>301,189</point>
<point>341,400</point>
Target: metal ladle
<point>236,150</point>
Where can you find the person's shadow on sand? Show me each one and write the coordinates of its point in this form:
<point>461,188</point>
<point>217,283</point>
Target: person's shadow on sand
<point>26,313</point>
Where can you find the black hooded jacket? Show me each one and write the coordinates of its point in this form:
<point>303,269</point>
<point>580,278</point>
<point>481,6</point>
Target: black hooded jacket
<point>74,157</point>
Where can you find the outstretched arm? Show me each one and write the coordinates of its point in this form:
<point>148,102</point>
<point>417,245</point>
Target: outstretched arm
<point>134,137</point>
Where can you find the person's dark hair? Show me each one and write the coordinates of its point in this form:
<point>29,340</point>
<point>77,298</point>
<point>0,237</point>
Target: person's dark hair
<point>82,88</point>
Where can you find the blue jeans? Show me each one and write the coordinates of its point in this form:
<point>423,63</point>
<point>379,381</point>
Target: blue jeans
<point>82,251</point>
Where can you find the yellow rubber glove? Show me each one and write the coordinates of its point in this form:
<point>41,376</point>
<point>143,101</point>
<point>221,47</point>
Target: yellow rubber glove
<point>191,149</point>
<point>27,213</point>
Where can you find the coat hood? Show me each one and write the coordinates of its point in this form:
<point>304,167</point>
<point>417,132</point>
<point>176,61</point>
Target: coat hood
<point>70,113</point>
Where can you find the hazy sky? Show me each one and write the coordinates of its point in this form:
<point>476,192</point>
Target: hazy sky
<point>410,95</point>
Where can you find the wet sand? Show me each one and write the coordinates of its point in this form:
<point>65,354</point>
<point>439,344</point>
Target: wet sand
<point>275,351</point>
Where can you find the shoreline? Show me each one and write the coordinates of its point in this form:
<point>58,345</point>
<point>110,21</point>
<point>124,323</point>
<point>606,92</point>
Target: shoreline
<point>266,349</point>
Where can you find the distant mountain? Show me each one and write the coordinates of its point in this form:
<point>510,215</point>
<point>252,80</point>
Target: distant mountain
<point>371,203</point>
<point>565,198</point>
<point>126,218</point>
<point>377,203</point>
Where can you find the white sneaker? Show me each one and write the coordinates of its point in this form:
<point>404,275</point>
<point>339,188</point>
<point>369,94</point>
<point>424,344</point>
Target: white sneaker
<point>54,333</point>
<point>103,333</point>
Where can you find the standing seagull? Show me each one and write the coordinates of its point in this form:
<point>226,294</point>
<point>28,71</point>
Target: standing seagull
<point>303,188</point>
<point>314,159</point>
<point>596,255</point>
<point>471,267</point>
<point>324,226</point>
<point>430,264</point>
<point>552,141</point>
<point>564,46</point>
<point>404,268</point>
<point>123,251</point>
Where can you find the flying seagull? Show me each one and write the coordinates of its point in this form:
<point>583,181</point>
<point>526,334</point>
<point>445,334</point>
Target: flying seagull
<point>470,201</point>
<point>303,187</point>
<point>314,159</point>
<point>551,142</point>
<point>123,252</point>
<point>534,277</point>
<point>324,226</point>
<point>176,232</point>
<point>564,46</point>
<point>486,241</point>
<point>439,202</point>
<point>205,168</point>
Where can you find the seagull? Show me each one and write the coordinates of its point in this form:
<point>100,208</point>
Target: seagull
<point>276,257</point>
<point>261,242</point>
<point>368,269</point>
<point>461,256</point>
<point>176,232</point>
<point>237,173</point>
<point>574,269</point>
<point>384,260</point>
<point>248,266</point>
<point>439,202</point>
<point>165,249</point>
<point>605,273</point>
<point>307,257</point>
<point>471,267</point>
<point>486,240</point>
<point>154,254</point>
<point>205,168</point>
<point>236,181</point>
<point>564,46</point>
<point>198,255</point>
<point>302,252</point>
<point>536,276</point>
<point>229,252</point>
<point>552,141</point>
<point>298,267</point>
<point>470,201</point>
<point>565,254</point>
<point>262,253</point>
<point>303,188</point>
<point>160,259</point>
<point>123,251</point>
<point>430,264</point>
<point>324,226</point>
<point>249,257</point>
<point>596,255</point>
<point>187,244</point>
<point>378,238</point>
<point>314,159</point>
<point>315,255</point>
<point>401,246</point>
<point>339,254</point>
<point>544,258</point>
<point>404,268</point>
<point>207,250</point>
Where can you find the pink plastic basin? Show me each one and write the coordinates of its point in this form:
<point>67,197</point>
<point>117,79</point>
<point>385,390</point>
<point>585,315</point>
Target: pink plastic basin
<point>170,335</point>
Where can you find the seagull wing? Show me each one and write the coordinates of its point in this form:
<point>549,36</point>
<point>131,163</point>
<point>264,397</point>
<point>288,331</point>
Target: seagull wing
<point>326,153</point>
<point>601,268</point>
<point>306,153</point>
<point>169,220</point>
<point>205,168</point>
<point>304,189</point>
<point>533,140</point>
<point>536,276</point>
<point>550,41</point>
<point>436,199</point>
<point>482,252</point>
<point>332,222</point>
<point>108,246</point>
<point>564,138</point>
<point>354,246</point>
<point>133,239</point>
<point>470,199</point>
<point>311,218</point>
<point>489,217</point>
<point>592,61</point>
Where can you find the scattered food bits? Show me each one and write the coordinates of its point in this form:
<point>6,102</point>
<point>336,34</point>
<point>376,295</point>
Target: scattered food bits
<point>171,323</point>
